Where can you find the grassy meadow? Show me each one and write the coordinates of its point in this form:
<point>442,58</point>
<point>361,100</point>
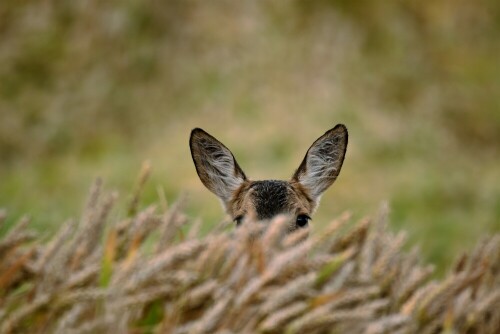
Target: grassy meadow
<point>93,89</point>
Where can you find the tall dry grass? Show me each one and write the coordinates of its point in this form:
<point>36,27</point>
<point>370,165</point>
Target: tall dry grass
<point>152,272</point>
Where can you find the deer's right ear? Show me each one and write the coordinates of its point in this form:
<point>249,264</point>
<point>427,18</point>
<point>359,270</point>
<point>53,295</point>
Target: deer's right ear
<point>215,165</point>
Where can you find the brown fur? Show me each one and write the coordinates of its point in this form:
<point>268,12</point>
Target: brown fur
<point>261,200</point>
<point>242,204</point>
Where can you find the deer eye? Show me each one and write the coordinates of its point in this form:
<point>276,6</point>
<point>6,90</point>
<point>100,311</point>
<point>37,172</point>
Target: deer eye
<point>238,220</point>
<point>302,220</point>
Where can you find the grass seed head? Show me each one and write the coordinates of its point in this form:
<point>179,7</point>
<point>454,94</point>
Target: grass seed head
<point>138,274</point>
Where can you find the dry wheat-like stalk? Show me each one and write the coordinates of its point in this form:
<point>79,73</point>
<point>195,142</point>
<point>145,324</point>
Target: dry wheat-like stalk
<point>140,274</point>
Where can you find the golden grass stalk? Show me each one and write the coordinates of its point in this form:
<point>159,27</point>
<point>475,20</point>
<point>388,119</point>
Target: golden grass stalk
<point>139,274</point>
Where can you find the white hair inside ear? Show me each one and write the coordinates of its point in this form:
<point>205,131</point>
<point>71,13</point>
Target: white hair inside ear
<point>215,165</point>
<point>323,161</point>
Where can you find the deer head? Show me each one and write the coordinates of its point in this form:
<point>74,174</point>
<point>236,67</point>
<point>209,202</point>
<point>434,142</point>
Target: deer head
<point>241,197</point>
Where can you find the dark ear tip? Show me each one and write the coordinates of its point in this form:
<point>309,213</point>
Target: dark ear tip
<point>340,128</point>
<point>196,131</point>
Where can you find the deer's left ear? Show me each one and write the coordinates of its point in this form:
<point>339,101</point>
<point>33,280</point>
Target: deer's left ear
<point>323,162</point>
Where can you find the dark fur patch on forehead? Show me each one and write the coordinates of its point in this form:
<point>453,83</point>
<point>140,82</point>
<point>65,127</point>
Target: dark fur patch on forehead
<point>271,197</point>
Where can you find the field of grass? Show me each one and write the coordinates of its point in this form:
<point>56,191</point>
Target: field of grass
<point>151,271</point>
<point>91,89</point>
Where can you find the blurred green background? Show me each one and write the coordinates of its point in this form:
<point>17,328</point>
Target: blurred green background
<point>94,88</point>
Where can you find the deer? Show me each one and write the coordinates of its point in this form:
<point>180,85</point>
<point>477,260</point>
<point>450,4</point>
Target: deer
<point>243,198</point>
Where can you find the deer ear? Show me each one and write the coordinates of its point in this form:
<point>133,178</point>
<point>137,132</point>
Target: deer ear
<point>323,162</point>
<point>215,165</point>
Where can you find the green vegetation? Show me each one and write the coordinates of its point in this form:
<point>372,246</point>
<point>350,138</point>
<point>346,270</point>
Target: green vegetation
<point>92,89</point>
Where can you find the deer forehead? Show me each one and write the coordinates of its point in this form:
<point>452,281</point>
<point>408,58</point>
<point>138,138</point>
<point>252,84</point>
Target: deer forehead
<point>268,198</point>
